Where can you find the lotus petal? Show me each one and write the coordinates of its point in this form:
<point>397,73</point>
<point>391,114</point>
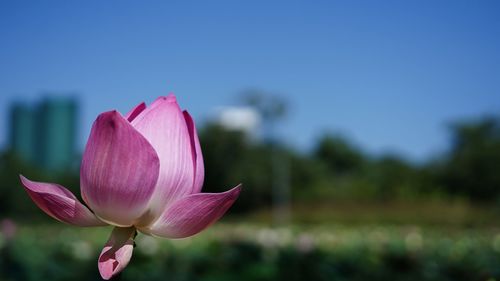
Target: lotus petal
<point>192,214</point>
<point>117,252</point>
<point>135,111</point>
<point>59,203</point>
<point>119,170</point>
<point>163,124</point>
<point>199,168</point>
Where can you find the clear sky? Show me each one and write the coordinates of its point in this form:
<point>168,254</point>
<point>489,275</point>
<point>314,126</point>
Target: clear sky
<point>389,74</point>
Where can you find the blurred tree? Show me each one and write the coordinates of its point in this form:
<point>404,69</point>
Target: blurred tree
<point>14,201</point>
<point>230,158</point>
<point>473,165</point>
<point>393,177</point>
<point>336,169</point>
<point>339,154</point>
<point>12,194</point>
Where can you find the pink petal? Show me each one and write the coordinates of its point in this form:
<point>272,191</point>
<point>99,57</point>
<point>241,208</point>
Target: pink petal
<point>164,126</point>
<point>199,168</point>
<point>60,203</point>
<point>117,252</point>
<point>135,111</point>
<point>119,170</point>
<point>193,213</point>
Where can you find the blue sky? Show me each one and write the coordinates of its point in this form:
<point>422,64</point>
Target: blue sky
<point>388,74</point>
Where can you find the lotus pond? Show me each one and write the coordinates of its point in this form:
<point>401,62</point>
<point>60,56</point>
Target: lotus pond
<point>235,251</point>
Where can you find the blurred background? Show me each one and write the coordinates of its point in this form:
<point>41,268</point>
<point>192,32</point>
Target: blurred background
<point>366,133</point>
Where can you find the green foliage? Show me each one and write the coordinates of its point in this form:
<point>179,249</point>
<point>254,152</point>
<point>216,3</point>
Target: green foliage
<point>339,154</point>
<point>336,170</point>
<point>473,165</point>
<point>230,158</point>
<point>13,198</point>
<point>249,253</point>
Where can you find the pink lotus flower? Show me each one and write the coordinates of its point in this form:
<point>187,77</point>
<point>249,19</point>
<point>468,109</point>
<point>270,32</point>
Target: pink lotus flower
<point>140,172</point>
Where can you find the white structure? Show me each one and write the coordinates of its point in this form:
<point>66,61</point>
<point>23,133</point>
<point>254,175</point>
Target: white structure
<point>240,118</point>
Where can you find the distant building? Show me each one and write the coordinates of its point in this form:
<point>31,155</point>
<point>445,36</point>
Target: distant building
<point>45,135</point>
<point>22,132</point>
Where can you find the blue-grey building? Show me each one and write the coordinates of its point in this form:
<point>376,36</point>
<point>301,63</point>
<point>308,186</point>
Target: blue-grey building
<point>45,134</point>
<point>22,132</point>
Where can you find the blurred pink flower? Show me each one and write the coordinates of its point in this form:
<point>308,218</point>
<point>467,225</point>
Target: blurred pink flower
<point>143,171</point>
<point>8,228</point>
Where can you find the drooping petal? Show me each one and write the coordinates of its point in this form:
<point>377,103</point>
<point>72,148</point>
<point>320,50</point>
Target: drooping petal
<point>60,203</point>
<point>119,170</point>
<point>135,111</point>
<point>117,252</point>
<point>192,214</point>
<point>199,168</point>
<point>163,124</point>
